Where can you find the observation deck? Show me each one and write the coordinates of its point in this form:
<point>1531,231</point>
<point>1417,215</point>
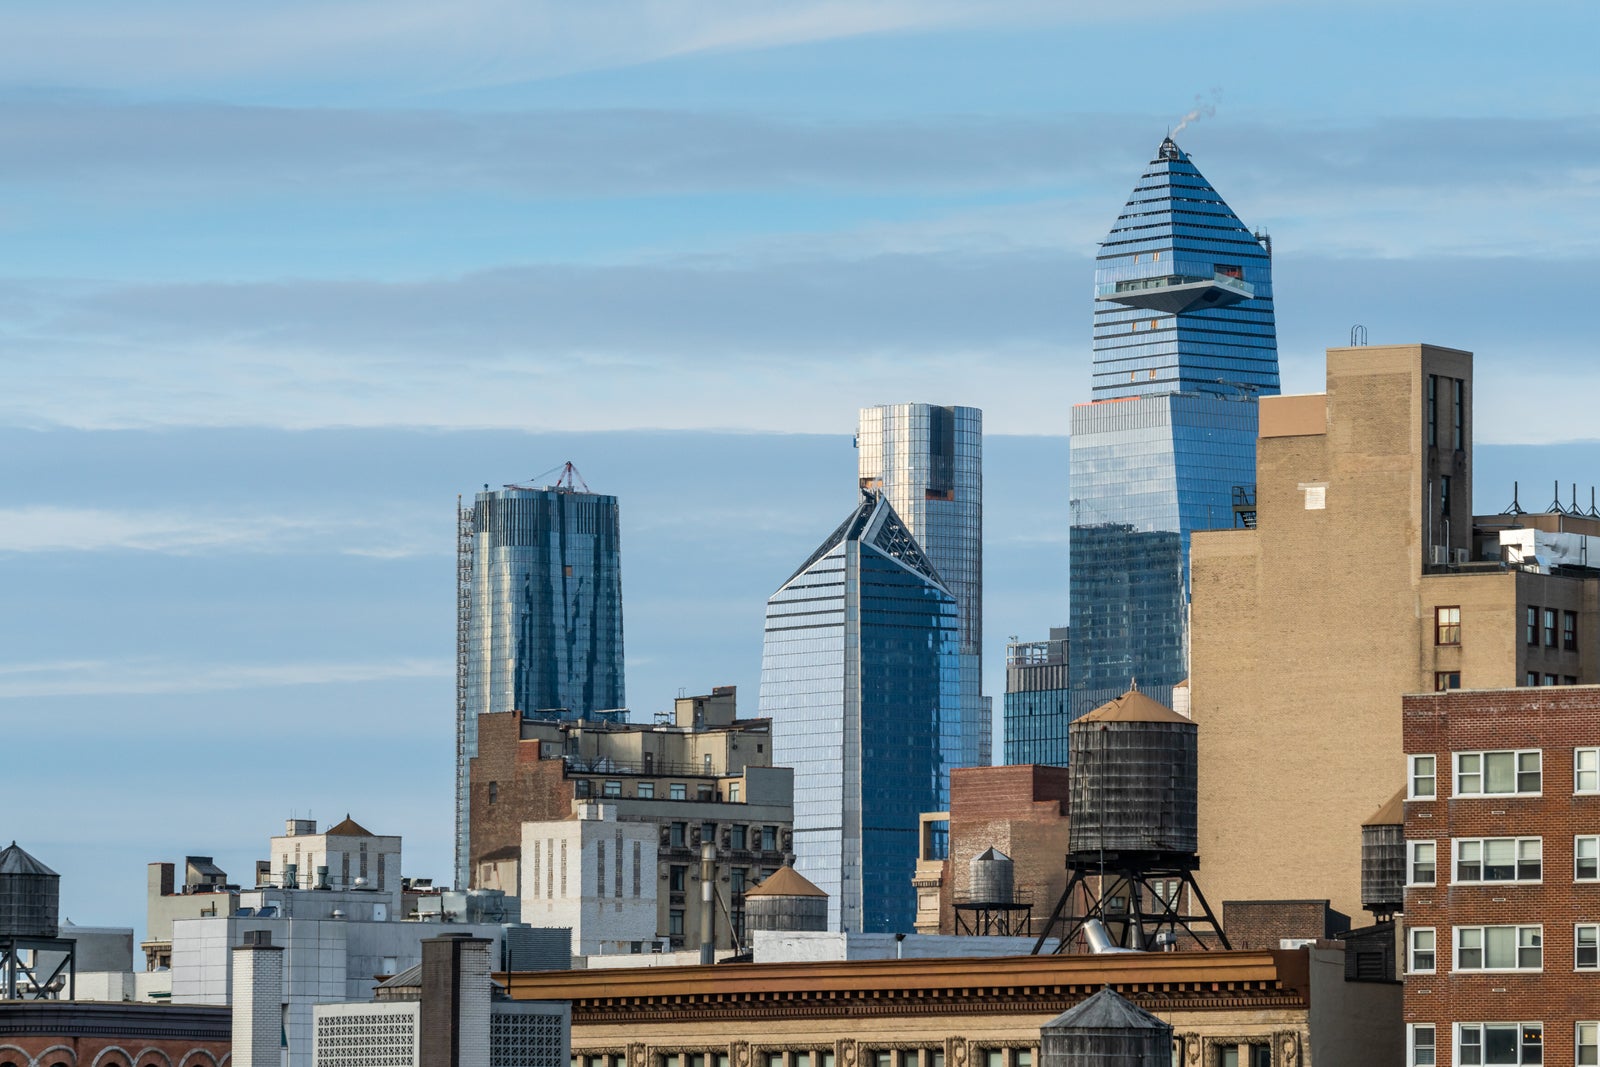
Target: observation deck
<point>1173,294</point>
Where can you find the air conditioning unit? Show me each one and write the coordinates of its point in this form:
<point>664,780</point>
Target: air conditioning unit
<point>1463,555</point>
<point>1438,555</point>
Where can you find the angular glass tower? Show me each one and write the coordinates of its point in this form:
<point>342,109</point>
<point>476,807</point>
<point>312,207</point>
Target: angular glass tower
<point>1184,344</point>
<point>540,617</point>
<point>928,461</point>
<point>860,675</point>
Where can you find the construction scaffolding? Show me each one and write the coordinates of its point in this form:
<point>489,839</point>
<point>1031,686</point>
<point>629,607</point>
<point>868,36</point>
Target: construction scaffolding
<point>465,543</point>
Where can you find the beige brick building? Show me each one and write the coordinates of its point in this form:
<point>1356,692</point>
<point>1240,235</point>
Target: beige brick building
<point>1364,577</point>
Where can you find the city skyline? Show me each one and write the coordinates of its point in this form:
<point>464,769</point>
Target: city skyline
<point>280,283</point>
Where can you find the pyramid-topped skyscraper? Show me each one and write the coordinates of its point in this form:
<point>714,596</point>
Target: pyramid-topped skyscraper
<point>1184,344</point>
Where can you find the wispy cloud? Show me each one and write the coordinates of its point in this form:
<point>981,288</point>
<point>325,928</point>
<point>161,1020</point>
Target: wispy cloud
<point>58,678</point>
<point>47,528</point>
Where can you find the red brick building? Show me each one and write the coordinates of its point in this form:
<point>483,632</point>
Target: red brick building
<point>65,1033</point>
<point>1502,898</point>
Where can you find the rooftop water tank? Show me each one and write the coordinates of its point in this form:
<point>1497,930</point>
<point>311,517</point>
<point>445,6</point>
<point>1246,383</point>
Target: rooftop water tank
<point>1106,1030</point>
<point>30,896</point>
<point>1134,779</point>
<point>1383,858</point>
<point>785,901</point>
<point>990,879</point>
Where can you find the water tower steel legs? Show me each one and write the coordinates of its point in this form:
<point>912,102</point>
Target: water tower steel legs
<point>1133,926</point>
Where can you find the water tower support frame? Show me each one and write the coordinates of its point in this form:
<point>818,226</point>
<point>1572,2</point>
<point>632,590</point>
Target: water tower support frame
<point>1145,911</point>
<point>14,964</point>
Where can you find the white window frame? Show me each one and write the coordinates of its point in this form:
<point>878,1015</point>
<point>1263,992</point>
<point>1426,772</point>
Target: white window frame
<point>1517,845</point>
<point>1582,1029</point>
<point>1412,847</point>
<point>1517,772</point>
<point>1411,950</point>
<point>1579,757</point>
<point>1432,1058</point>
<point>1593,840</point>
<point>1518,930</point>
<point>1459,1027</point>
<point>1414,776</point>
<point>1578,931</point>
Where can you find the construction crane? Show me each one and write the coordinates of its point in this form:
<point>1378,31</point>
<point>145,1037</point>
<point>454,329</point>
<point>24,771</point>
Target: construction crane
<point>567,481</point>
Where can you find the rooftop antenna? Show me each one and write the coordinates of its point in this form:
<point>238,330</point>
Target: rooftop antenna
<point>1516,507</point>
<point>1574,509</point>
<point>1592,512</point>
<point>1358,336</point>
<point>1555,507</point>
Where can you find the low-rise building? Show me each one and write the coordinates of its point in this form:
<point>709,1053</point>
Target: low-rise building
<point>205,891</point>
<point>705,777</point>
<point>1502,865</point>
<point>1281,1007</point>
<point>68,1033</point>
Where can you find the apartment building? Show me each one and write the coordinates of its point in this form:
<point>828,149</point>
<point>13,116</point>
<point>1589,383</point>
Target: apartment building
<point>1361,575</point>
<point>1502,867</point>
<point>704,776</point>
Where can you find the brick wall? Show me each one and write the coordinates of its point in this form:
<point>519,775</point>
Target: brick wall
<point>1264,924</point>
<point>1020,810</point>
<point>526,788</point>
<point>1555,721</point>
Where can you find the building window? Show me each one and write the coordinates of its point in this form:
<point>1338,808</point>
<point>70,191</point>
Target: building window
<point>1447,626</point>
<point>769,839</point>
<point>1511,1043</point>
<point>708,832</point>
<point>1433,410</point>
<point>1569,680</point>
<point>1443,680</point>
<point>494,792</point>
<point>1422,950</point>
<point>1532,679</point>
<point>1549,627</point>
<point>733,792</point>
<point>580,787</point>
<point>736,837</point>
<point>1551,679</point>
<point>675,922</point>
<point>1569,630</point>
<point>675,835</point>
<point>1586,859</point>
<point>675,878</point>
<point>646,791</point>
<point>678,791</point>
<point>1420,1045</point>
<point>1531,630</point>
<point>1424,783</point>
<point>1587,1042</point>
<point>1499,859</point>
<point>1586,947</point>
<point>1444,495</point>
<point>1586,770</point>
<point>1491,773</point>
<point>1458,390</point>
<point>1421,862</point>
<point>1499,948</point>
<point>613,789</point>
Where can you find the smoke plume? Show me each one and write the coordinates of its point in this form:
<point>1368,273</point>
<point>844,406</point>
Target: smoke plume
<point>1204,108</point>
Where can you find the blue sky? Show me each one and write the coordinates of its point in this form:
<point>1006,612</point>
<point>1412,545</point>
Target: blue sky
<point>278,281</point>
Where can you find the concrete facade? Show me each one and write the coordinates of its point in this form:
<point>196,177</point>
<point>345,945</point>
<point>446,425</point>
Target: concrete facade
<point>1549,916</point>
<point>205,891</point>
<point>595,874</point>
<point>708,769</point>
<point>344,856</point>
<point>1358,583</point>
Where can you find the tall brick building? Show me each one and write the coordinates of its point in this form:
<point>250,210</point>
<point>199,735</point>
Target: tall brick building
<point>707,775</point>
<point>1363,577</point>
<point>1502,905</point>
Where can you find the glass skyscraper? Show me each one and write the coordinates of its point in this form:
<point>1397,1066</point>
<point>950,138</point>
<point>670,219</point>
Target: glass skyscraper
<point>1184,344</point>
<point>860,675</point>
<point>1037,706</point>
<point>928,461</point>
<point>540,617</point>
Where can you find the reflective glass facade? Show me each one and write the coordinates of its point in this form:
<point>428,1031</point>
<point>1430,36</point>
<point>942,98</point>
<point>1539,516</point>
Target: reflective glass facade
<point>544,632</point>
<point>928,461</point>
<point>1037,703</point>
<point>1184,345</point>
<point>860,674</point>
